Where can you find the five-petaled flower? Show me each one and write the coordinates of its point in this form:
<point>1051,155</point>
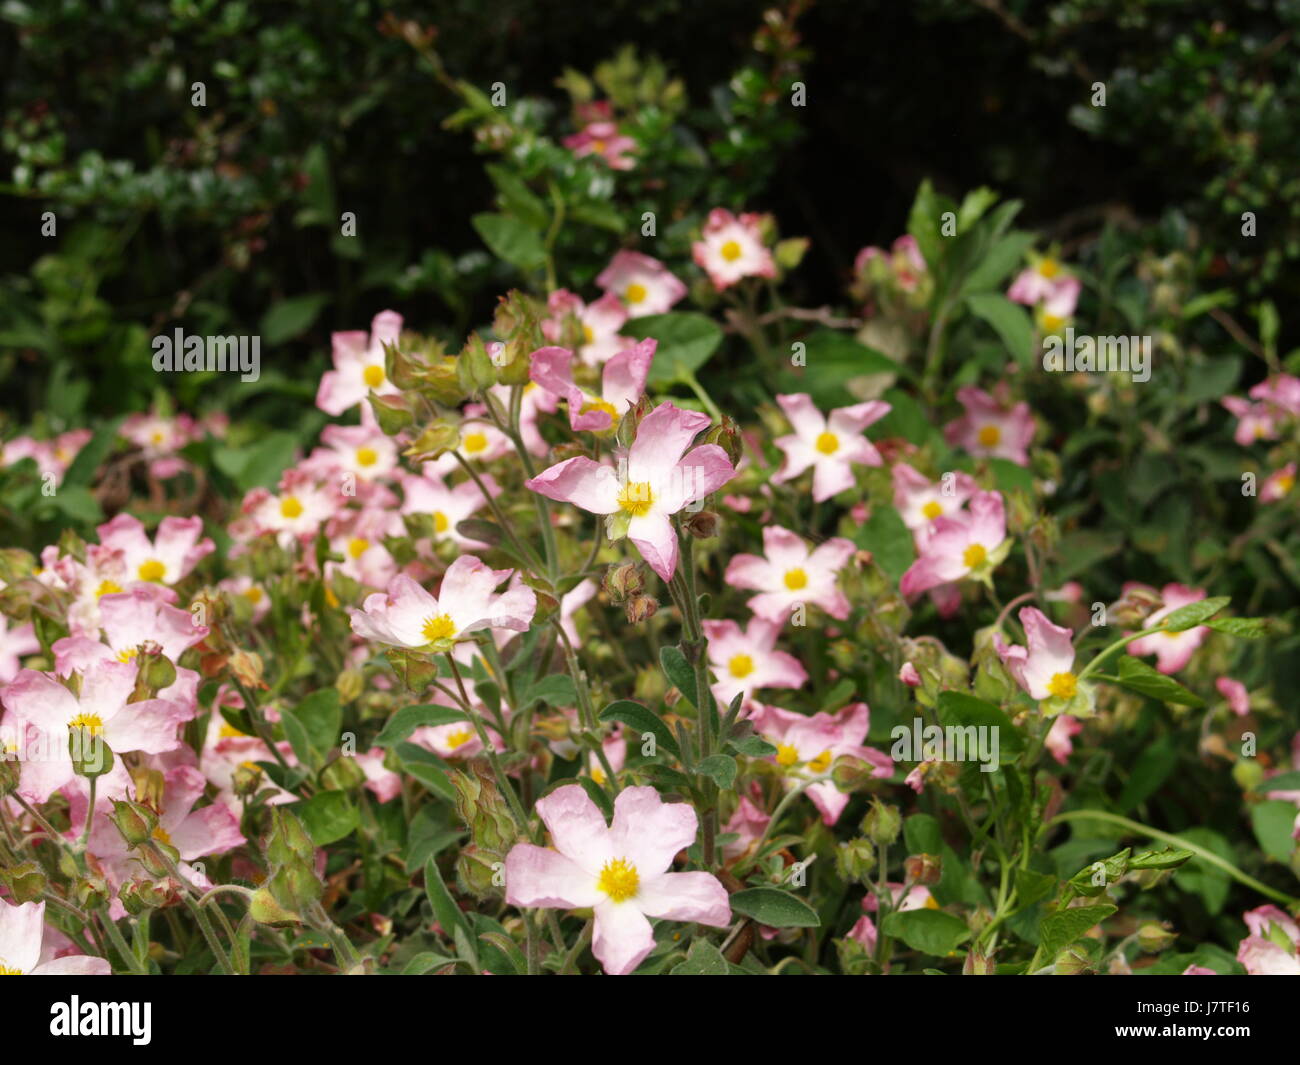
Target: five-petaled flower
<point>829,443</point>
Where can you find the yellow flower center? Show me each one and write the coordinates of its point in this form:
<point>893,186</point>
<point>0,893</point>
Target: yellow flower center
<point>291,507</point>
<point>989,435</point>
<point>598,147</point>
<point>588,336</point>
<point>441,523</point>
<point>108,588</point>
<point>6,971</point>
<point>373,375</point>
<point>92,723</point>
<point>152,570</point>
<point>440,627</point>
<point>786,755</point>
<point>367,456</point>
<point>730,251</point>
<point>358,546</point>
<point>828,444</point>
<point>128,655</point>
<point>932,510</point>
<point>636,498</point>
<point>475,442</point>
<point>253,594</point>
<point>974,556</point>
<point>1049,268</point>
<point>1063,685</point>
<point>459,738</point>
<point>1051,323</point>
<point>796,579</point>
<point>822,762</point>
<point>635,293</point>
<point>229,732</point>
<point>599,404</point>
<point>619,880</point>
<point>598,775</point>
<point>156,437</point>
<point>741,665</point>
<point>1285,483</point>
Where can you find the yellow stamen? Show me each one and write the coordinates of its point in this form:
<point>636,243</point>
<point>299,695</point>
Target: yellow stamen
<point>6,971</point>
<point>1063,685</point>
<point>730,251</point>
<point>253,594</point>
<point>636,498</point>
<point>588,336</point>
<point>459,738</point>
<point>373,375</point>
<point>932,510</point>
<point>152,570</point>
<point>598,775</point>
<point>441,523</point>
<point>1049,268</point>
<point>358,547</point>
<point>741,665</point>
<point>440,627</point>
<point>786,755</point>
<point>228,731</point>
<point>795,579</point>
<point>92,723</point>
<point>822,762</point>
<point>1051,323</point>
<point>635,293</point>
<point>291,507</point>
<point>619,880</point>
<point>108,588</point>
<point>828,443</point>
<point>599,404</point>
<point>162,835</point>
<point>989,435</point>
<point>1284,483</point>
<point>128,655</point>
<point>367,456</point>
<point>475,442</point>
<point>974,556</point>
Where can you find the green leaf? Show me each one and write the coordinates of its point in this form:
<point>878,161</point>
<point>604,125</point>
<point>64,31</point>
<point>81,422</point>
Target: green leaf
<point>774,908</point>
<point>1166,858</point>
<point>1193,614</point>
<point>327,816</point>
<point>82,469</point>
<point>320,718</point>
<point>721,769</point>
<point>1140,677</point>
<point>679,673</point>
<point>1032,886</point>
<point>1056,931</point>
<point>410,718</point>
<point>427,768</point>
<point>752,747</point>
<point>77,503</point>
<point>597,795</point>
<point>517,198</point>
<point>449,915</point>
<point>921,834</point>
<point>1009,320</point>
<point>1152,767</point>
<point>555,689</point>
<point>292,317</point>
<point>831,359</point>
<point>510,239</point>
<point>1200,878</point>
<point>703,959</point>
<point>889,541</point>
<point>1244,628</point>
<point>929,931</point>
<point>1282,782</point>
<point>686,340</point>
<point>958,709</point>
<point>1273,821</point>
<point>643,719</point>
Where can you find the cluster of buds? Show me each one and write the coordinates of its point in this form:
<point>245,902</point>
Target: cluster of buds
<point>492,831</point>
<point>624,584</point>
<point>292,890</point>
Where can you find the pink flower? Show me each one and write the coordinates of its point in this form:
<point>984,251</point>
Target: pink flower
<point>908,675</point>
<point>748,661</point>
<point>15,642</point>
<point>571,602</point>
<point>790,575</point>
<point>297,513</point>
<point>1282,392</point>
<point>250,590</point>
<point>384,783</point>
<point>1255,421</point>
<point>644,284</point>
<point>175,550</point>
<point>1173,650</point>
<point>920,501</point>
<point>732,248</point>
<point>960,547</point>
<point>622,384</point>
<point>1060,735</point>
<point>1045,670</point>
<point>656,478</point>
<point>159,438</point>
<point>603,139</point>
<point>45,712</point>
<point>533,403</point>
<point>1278,484</point>
<point>408,616</point>
<point>749,822</point>
<point>808,746</point>
<point>988,428</point>
<point>361,543</point>
<point>429,494</point>
<point>1263,952</point>
<point>829,444</point>
<point>359,365</point>
<point>620,871</point>
<point>1198,970</point>
<point>364,450</point>
<point>1041,282</point>
<point>22,931</point>
<point>599,322</point>
<point>1235,692</point>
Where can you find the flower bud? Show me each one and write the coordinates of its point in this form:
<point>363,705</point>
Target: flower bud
<point>882,823</point>
<point>156,669</point>
<point>342,774</point>
<point>641,608</point>
<point>25,882</point>
<point>391,412</point>
<point>474,370</point>
<point>438,437</point>
<point>1136,605</point>
<point>247,668</point>
<point>91,892</point>
<point>977,964</point>
<point>1073,961</point>
<point>855,860</point>
<point>923,868</point>
<point>1248,774</point>
<point>246,780</point>
<point>264,909</point>
<point>727,436</point>
<point>909,676</point>
<point>1154,938</point>
<point>477,871</point>
<point>90,754</point>
<point>158,858</point>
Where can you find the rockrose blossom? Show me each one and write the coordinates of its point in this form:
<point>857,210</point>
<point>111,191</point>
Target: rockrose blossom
<point>1281,391</point>
<point>1059,738</point>
<point>731,248</point>
<point>44,712</point>
<point>989,428</point>
<point>174,551</point>
<point>657,478</point>
<point>1046,668</point>
<point>967,545</point>
<point>748,823</point>
<point>1272,946</point>
<point>829,443</point>
<point>52,457</point>
<point>1236,694</point>
<point>408,616</point>
<point>1255,421</point>
<point>644,284</point>
<point>429,494</point>
<point>599,323</point>
<point>1278,484</point>
<point>22,933</point>
<point>904,259</point>
<point>15,642</point>
<point>159,438</point>
<point>359,365</point>
<point>808,746</point>
<point>920,501</point>
<point>622,384</point>
<point>603,139</point>
<point>789,574</point>
<point>1173,650</point>
<point>1044,281</point>
<point>620,871</point>
<point>746,661</point>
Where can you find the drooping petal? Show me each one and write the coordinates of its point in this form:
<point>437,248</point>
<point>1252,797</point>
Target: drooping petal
<point>656,539</point>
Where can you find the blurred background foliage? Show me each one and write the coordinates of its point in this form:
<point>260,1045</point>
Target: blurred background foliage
<point>225,218</point>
